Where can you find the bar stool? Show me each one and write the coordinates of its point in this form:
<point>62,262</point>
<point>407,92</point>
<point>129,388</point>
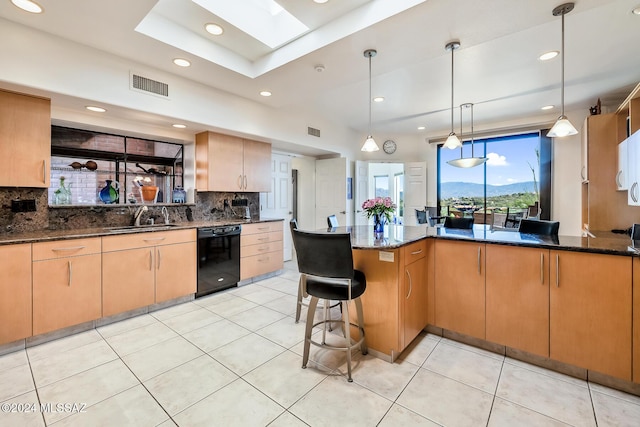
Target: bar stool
<point>325,262</point>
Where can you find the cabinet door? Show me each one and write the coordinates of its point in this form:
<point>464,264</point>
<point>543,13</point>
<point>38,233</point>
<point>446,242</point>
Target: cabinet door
<point>15,292</point>
<point>460,289</point>
<point>622,178</point>
<point>590,311</point>
<point>518,298</point>
<point>175,271</point>
<point>219,162</point>
<point>633,151</point>
<point>127,280</point>
<point>257,166</point>
<point>636,320</point>
<point>25,132</point>
<point>414,299</point>
<point>66,292</point>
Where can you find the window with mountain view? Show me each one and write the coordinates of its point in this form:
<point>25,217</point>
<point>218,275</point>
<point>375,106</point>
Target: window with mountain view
<point>515,177</point>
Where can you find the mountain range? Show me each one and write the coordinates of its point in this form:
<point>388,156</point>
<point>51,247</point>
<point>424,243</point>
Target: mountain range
<point>470,189</point>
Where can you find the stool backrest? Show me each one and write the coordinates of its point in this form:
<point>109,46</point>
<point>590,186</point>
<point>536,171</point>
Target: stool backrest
<point>463,223</point>
<point>539,226</point>
<point>324,255</point>
<point>332,221</point>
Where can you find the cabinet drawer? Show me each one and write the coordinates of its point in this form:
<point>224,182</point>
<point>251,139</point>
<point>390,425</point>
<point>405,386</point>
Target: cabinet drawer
<point>258,239</point>
<point>264,248</point>
<point>260,264</point>
<point>66,248</point>
<point>414,251</point>
<point>142,240</point>
<point>262,227</point>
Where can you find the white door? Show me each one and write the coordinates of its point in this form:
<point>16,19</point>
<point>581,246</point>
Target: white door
<point>415,190</point>
<point>331,191</point>
<point>361,191</point>
<point>277,203</point>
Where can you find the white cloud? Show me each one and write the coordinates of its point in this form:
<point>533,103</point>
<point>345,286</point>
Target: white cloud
<point>496,159</point>
<point>511,180</point>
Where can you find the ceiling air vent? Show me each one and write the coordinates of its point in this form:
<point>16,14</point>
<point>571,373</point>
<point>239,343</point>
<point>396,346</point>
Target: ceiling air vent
<point>313,132</point>
<point>147,85</point>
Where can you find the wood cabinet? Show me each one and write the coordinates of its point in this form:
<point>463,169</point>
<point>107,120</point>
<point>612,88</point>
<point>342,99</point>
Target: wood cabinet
<point>460,287</point>
<point>517,298</point>
<point>145,268</point>
<point>636,321</point>
<point>230,163</point>
<point>590,311</point>
<point>414,292</point>
<point>260,249</point>
<point>66,283</point>
<point>25,135</point>
<point>15,292</point>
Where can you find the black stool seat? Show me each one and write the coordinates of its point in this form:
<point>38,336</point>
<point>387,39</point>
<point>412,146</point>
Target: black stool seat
<point>335,289</point>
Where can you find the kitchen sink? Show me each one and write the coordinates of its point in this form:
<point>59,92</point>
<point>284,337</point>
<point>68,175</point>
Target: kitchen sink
<point>134,228</point>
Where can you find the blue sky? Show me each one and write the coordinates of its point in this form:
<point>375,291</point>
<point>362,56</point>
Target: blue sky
<point>507,162</point>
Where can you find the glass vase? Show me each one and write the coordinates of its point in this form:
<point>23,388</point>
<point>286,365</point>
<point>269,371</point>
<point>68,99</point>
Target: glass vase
<point>378,223</point>
<point>63,194</point>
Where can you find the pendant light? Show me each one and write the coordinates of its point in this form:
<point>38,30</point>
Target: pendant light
<point>370,143</point>
<point>472,161</point>
<point>563,126</point>
<point>452,141</point>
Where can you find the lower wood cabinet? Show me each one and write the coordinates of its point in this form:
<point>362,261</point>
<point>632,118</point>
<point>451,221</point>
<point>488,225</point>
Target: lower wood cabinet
<point>636,320</point>
<point>260,249</point>
<point>460,287</point>
<point>414,292</point>
<point>517,298</point>
<point>66,283</point>
<point>146,268</point>
<point>590,311</point>
<point>15,292</point>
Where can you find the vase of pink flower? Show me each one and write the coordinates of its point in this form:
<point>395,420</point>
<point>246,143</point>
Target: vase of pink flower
<point>381,209</point>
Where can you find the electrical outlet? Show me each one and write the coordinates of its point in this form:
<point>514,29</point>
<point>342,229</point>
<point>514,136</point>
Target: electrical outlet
<point>240,202</point>
<point>27,205</point>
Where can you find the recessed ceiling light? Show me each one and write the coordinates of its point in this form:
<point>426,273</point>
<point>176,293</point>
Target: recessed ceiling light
<point>179,126</point>
<point>214,29</point>
<point>265,93</point>
<point>320,1</point>
<point>181,62</point>
<point>378,99</point>
<point>421,128</point>
<point>95,109</point>
<point>28,5</point>
<point>547,107</point>
<point>548,55</point>
<point>636,11</point>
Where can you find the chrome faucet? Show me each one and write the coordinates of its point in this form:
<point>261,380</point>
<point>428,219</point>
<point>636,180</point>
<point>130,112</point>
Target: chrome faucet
<point>165,213</point>
<point>138,214</point>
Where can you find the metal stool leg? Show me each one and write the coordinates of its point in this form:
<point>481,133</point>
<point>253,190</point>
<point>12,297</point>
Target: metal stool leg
<point>363,344</point>
<point>345,314</point>
<point>299,303</point>
<point>307,332</point>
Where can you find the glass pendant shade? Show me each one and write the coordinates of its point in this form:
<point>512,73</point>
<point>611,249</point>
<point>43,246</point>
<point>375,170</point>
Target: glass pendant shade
<point>562,127</point>
<point>452,141</point>
<point>370,145</point>
<point>468,162</point>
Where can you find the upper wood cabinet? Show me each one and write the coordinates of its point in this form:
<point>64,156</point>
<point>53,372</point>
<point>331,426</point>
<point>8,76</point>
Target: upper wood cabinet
<point>25,140</point>
<point>590,311</point>
<point>518,298</point>
<point>636,320</point>
<point>460,287</point>
<point>229,163</point>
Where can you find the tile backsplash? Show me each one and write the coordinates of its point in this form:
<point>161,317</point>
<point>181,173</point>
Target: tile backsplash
<point>209,206</point>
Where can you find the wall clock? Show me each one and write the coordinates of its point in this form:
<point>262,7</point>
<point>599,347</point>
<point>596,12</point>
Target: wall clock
<point>389,146</point>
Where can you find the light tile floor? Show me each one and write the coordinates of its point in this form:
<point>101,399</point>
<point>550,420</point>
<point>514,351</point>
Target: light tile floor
<point>233,359</point>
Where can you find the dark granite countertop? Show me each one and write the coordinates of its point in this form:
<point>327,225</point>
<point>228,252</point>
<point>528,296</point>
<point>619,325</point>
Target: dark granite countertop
<point>46,235</point>
<point>397,236</point>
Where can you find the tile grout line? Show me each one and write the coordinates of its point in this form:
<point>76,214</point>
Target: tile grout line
<point>495,392</point>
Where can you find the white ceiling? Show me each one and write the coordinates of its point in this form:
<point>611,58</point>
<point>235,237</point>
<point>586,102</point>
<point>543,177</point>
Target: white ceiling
<point>496,67</point>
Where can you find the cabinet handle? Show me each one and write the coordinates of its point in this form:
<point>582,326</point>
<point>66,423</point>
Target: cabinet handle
<point>70,272</point>
<point>263,259</point>
<point>634,194</point>
<point>541,268</point>
<point>240,182</point>
<point>245,182</point>
<point>154,239</point>
<point>263,239</point>
<point>557,270</point>
<point>582,172</point>
<point>150,260</point>
<point>410,284</point>
<point>159,258</point>
<point>263,228</point>
<point>71,248</point>
<point>416,252</point>
<point>44,171</point>
<point>618,183</point>
<point>479,256</point>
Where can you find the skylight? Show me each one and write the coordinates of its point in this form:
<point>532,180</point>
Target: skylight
<point>264,20</point>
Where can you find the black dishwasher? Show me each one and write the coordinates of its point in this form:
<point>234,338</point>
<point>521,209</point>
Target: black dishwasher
<point>218,258</point>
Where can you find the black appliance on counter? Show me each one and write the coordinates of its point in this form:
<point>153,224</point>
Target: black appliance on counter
<point>218,258</point>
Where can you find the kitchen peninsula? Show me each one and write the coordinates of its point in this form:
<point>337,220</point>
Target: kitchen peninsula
<point>559,301</point>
